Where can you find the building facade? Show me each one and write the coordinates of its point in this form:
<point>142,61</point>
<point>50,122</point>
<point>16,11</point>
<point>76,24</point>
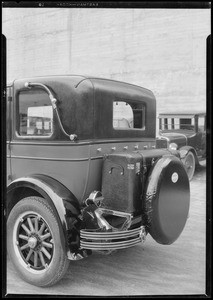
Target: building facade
<point>163,50</point>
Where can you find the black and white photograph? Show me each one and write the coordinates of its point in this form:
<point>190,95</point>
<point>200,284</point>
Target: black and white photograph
<point>107,149</point>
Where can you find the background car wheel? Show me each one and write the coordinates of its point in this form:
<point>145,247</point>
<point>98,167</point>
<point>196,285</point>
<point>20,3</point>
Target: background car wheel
<point>34,242</point>
<point>189,164</point>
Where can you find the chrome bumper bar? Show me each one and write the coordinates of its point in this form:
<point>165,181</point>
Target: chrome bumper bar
<point>97,240</point>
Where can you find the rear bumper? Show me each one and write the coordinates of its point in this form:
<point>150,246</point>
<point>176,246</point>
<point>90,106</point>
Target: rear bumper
<point>111,240</point>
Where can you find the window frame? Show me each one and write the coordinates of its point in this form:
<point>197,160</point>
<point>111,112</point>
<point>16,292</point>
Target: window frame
<point>129,101</point>
<point>17,119</point>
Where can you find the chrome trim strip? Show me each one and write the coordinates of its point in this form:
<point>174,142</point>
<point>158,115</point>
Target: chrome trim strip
<point>37,142</point>
<point>49,158</point>
<point>55,159</point>
<point>98,157</point>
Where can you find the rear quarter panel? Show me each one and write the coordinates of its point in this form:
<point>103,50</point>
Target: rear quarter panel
<point>77,166</point>
<point>66,163</point>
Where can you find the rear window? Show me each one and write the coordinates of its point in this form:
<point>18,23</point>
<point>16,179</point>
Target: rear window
<point>128,115</point>
<point>35,114</point>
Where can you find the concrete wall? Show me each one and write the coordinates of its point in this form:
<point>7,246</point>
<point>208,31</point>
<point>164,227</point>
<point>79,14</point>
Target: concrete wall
<point>161,49</point>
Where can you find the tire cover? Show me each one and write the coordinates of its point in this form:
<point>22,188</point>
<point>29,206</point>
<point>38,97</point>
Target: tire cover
<point>167,200</point>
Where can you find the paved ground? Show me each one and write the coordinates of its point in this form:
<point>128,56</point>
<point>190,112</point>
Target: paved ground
<point>146,269</point>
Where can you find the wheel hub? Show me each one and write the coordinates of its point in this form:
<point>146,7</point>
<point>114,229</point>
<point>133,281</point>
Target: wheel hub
<point>32,242</point>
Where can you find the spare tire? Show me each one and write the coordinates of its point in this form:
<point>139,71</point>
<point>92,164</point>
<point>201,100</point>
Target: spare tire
<point>167,200</point>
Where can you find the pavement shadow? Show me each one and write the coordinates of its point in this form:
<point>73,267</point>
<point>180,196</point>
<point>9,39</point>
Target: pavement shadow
<point>200,172</point>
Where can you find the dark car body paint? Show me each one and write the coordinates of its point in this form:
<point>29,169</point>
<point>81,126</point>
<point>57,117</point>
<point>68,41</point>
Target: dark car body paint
<point>64,171</point>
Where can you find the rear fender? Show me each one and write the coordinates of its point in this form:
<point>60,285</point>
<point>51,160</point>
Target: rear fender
<point>63,202</point>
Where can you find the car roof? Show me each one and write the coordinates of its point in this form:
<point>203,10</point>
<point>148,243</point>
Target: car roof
<point>81,79</point>
<point>104,84</point>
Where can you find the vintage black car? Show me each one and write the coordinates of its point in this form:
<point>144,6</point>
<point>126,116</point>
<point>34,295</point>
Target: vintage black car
<point>187,133</point>
<point>84,173</point>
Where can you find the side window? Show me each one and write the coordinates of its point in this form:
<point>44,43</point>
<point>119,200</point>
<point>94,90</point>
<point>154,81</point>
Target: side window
<point>35,113</point>
<point>186,124</point>
<point>176,123</point>
<point>128,115</point>
<point>164,123</point>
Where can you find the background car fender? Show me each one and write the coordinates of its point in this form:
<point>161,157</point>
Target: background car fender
<point>185,150</point>
<point>56,194</point>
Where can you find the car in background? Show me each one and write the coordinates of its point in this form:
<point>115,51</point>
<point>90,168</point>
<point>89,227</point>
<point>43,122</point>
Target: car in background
<point>185,132</point>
